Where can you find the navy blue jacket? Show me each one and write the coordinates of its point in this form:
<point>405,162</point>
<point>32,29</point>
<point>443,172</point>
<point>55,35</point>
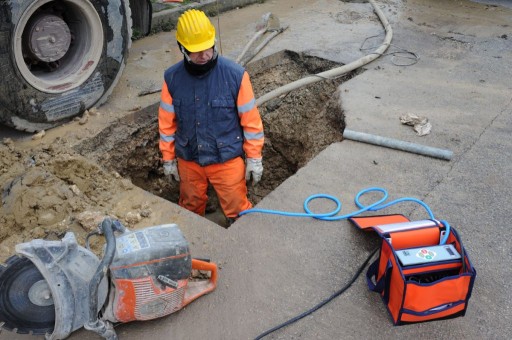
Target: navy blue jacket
<point>209,129</point>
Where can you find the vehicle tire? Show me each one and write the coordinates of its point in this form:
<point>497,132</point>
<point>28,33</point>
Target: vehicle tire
<point>142,13</point>
<point>59,58</point>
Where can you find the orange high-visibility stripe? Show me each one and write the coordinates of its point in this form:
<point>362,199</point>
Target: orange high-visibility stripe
<point>167,124</point>
<point>250,120</point>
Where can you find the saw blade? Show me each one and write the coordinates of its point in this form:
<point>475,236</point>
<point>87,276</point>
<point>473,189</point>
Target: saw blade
<point>26,304</point>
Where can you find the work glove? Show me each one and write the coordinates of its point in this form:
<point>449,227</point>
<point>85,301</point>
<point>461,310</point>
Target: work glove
<point>253,167</point>
<point>171,168</point>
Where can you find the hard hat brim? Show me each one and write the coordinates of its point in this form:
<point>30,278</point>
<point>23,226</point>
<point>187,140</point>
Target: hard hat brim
<point>200,47</point>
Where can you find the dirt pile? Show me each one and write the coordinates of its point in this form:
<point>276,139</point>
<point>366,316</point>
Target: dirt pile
<point>49,190</point>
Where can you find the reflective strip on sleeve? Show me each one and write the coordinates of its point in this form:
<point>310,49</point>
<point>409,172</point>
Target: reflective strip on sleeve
<point>250,119</point>
<point>167,107</point>
<point>167,138</point>
<point>247,107</point>
<point>253,136</point>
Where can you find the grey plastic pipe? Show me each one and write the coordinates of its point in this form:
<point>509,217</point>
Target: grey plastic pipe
<point>249,44</point>
<point>260,46</point>
<point>398,144</point>
<point>336,72</point>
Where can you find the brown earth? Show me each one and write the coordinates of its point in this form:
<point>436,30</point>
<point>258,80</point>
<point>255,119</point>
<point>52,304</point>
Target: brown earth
<point>49,190</point>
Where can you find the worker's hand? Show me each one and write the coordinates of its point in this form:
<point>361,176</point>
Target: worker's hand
<point>171,168</point>
<point>253,167</point>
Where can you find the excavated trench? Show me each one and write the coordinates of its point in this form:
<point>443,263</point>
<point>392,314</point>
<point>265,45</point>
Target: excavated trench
<point>297,126</point>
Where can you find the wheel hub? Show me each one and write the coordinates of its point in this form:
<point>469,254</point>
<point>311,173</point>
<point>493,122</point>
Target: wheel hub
<point>58,44</point>
<point>49,38</point>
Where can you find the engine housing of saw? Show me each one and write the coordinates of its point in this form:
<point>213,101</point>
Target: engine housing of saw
<point>149,274</point>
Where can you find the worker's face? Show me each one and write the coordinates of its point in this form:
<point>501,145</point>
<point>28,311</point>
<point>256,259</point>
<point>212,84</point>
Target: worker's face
<point>201,57</point>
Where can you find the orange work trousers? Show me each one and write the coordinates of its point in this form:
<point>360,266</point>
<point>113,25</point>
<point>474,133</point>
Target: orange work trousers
<point>228,180</point>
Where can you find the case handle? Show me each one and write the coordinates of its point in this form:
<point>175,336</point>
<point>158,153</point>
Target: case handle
<point>380,285</point>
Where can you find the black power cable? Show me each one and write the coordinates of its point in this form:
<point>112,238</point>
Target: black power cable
<point>408,58</point>
<point>321,304</point>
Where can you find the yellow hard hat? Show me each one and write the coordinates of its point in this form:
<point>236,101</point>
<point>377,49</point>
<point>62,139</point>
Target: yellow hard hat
<point>195,32</point>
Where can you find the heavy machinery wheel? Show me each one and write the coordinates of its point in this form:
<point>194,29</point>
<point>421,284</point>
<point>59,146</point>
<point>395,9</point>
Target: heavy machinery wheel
<point>26,305</point>
<point>59,58</point>
<point>142,14</point>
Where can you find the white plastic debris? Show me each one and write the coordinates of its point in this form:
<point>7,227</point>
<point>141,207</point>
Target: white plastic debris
<point>420,124</point>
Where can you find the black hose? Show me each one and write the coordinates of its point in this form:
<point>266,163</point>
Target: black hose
<point>323,303</point>
<point>108,230</point>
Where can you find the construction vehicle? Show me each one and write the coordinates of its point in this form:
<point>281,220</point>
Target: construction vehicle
<point>53,288</point>
<point>59,58</point>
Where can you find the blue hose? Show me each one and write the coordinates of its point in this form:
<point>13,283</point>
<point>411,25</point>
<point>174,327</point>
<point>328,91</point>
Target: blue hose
<point>332,216</point>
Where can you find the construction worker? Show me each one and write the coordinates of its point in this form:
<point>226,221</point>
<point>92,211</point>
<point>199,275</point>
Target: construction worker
<point>210,128</point>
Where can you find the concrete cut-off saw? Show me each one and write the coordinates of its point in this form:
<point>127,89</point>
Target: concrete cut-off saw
<point>53,288</point>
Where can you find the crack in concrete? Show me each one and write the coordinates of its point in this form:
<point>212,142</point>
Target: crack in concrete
<point>507,107</point>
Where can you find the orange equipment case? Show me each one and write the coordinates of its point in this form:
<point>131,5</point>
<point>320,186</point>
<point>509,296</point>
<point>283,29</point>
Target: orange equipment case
<point>423,292</point>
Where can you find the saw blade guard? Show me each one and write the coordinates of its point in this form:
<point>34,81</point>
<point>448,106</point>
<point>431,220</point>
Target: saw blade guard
<point>67,268</point>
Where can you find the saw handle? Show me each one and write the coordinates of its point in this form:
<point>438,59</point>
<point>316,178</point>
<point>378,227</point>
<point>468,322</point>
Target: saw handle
<point>206,266</point>
<point>203,287</point>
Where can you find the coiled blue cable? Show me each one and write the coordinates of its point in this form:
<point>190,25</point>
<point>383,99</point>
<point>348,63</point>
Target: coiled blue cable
<point>332,216</point>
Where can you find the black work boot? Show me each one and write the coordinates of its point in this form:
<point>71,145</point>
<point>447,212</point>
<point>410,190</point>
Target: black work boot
<point>229,221</point>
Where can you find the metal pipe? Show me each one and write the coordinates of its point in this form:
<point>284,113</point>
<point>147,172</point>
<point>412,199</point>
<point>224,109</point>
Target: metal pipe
<point>398,144</point>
